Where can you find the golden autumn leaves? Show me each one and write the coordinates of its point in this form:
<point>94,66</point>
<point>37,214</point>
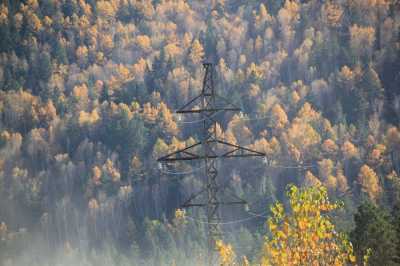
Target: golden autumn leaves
<point>304,235</point>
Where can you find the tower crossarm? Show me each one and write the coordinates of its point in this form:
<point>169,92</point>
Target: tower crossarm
<point>229,151</point>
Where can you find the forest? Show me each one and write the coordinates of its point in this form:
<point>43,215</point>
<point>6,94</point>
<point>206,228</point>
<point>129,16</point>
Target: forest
<point>88,96</point>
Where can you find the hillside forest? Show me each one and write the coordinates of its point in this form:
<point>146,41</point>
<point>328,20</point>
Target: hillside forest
<point>88,94</point>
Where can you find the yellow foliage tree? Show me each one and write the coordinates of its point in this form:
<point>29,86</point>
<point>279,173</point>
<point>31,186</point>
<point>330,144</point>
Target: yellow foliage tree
<point>278,116</point>
<point>307,113</point>
<point>138,70</point>
<point>93,206</point>
<point>180,218</point>
<point>106,43</point>
<point>34,22</point>
<point>226,253</point>
<point>303,136</point>
<point>332,12</point>
<point>96,175</point>
<point>106,9</point>
<point>258,44</point>
<point>347,76</point>
<point>311,180</point>
<point>325,168</point>
<point>82,55</point>
<point>393,138</point>
<point>172,50</point>
<point>342,184</point>
<point>167,119</point>
<point>3,231</point>
<point>362,39</point>
<point>305,236</point>
<point>329,146</point>
<point>88,118</point>
<point>375,157</point>
<point>349,150</point>
<point>288,17</point>
<point>196,52</point>
<point>294,97</point>
<point>3,14</point>
<point>369,182</point>
<point>144,42</point>
<point>110,170</point>
<point>160,148</point>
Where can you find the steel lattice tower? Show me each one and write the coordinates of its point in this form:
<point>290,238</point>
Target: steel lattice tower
<point>209,149</point>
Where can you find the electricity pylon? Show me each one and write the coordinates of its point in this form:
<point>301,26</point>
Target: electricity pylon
<point>208,104</point>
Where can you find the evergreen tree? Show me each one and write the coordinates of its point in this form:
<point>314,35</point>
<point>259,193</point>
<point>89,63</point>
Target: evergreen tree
<point>396,215</point>
<point>69,8</point>
<point>209,41</point>
<point>60,53</point>
<point>374,230</point>
<point>43,74</point>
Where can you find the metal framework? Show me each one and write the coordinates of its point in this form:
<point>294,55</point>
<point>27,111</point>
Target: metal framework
<point>209,149</point>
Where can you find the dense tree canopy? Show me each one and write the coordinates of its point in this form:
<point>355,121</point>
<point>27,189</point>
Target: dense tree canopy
<point>88,91</point>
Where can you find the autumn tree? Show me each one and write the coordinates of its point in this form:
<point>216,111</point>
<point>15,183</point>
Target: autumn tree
<point>106,8</point>
<point>87,95</point>
<point>369,182</point>
<point>82,55</point>
<point>196,52</point>
<point>304,138</point>
<point>333,14</point>
<point>226,253</point>
<point>227,256</point>
<point>393,144</point>
<point>144,42</point>
<point>20,110</point>
<point>288,17</point>
<point>362,40</point>
<point>305,235</point>
<point>278,117</point>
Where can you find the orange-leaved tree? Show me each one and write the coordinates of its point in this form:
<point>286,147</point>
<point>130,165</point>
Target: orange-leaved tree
<point>305,235</point>
<point>227,256</point>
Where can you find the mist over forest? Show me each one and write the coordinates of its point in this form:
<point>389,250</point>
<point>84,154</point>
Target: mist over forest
<point>88,94</point>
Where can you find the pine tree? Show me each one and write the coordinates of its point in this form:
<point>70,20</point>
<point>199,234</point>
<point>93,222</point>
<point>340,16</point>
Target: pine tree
<point>396,215</point>
<point>374,230</point>
<point>44,67</point>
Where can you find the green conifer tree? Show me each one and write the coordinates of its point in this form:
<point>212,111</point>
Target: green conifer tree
<point>374,230</point>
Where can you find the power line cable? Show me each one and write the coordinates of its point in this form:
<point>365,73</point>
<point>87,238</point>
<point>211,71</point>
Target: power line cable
<point>292,166</point>
<point>198,120</point>
<point>182,172</point>
<point>244,119</point>
<point>254,215</point>
<point>228,222</point>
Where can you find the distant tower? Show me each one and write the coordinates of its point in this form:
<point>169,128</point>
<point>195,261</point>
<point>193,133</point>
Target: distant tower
<point>209,149</point>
